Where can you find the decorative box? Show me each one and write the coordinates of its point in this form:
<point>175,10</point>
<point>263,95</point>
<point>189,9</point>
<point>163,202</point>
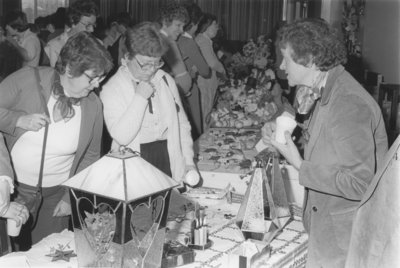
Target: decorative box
<point>176,254</point>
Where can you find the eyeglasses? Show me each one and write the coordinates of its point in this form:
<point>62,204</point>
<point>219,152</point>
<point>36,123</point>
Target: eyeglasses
<point>96,79</point>
<point>88,26</point>
<point>150,66</point>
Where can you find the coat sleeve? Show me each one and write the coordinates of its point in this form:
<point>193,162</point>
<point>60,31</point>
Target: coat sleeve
<point>191,53</point>
<point>184,126</point>
<point>9,92</point>
<point>92,153</point>
<point>5,164</point>
<point>123,120</point>
<point>209,55</point>
<point>352,127</point>
<point>53,51</point>
<point>173,59</point>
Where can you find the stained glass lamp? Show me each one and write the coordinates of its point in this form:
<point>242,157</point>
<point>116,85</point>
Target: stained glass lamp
<point>119,211</point>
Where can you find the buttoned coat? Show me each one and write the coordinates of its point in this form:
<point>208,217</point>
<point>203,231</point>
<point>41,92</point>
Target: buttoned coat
<point>346,146</point>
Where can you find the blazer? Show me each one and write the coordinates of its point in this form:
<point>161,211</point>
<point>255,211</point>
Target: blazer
<point>375,238</point>
<point>346,147</point>
<point>19,96</point>
<point>192,56</point>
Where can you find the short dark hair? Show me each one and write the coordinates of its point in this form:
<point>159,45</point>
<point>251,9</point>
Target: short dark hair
<point>125,19</point>
<point>313,41</point>
<point>205,22</point>
<point>173,11</point>
<point>79,9</point>
<point>84,52</point>
<point>16,20</point>
<point>195,14</point>
<point>145,39</point>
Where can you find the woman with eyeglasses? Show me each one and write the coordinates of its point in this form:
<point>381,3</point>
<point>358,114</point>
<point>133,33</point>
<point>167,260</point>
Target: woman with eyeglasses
<point>63,99</point>
<point>81,17</point>
<point>142,108</point>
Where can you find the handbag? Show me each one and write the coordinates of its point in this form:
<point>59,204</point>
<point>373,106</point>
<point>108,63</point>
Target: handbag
<point>32,198</point>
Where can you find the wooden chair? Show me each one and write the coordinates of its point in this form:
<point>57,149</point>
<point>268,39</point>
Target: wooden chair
<point>372,82</point>
<point>390,93</point>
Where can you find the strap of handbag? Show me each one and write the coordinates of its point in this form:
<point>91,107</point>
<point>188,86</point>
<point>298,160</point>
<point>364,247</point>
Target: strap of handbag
<point>46,130</point>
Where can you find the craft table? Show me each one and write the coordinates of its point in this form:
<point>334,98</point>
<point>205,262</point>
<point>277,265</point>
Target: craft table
<point>289,248</point>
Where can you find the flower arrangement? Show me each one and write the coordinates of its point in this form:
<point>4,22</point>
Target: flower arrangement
<point>244,104</point>
<point>254,54</point>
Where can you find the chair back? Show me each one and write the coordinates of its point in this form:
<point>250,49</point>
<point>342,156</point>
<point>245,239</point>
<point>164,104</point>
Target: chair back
<point>372,82</point>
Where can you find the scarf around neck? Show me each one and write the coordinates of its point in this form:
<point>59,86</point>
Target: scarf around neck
<point>63,108</point>
<point>306,96</point>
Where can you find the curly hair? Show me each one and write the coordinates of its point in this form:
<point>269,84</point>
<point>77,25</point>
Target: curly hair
<point>145,39</point>
<point>79,9</point>
<point>313,41</point>
<point>173,11</point>
<point>84,52</point>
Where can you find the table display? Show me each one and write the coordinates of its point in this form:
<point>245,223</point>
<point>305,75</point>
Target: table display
<point>289,248</point>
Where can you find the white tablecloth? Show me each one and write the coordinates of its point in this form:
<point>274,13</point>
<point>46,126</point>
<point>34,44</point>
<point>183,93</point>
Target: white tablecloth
<point>288,248</point>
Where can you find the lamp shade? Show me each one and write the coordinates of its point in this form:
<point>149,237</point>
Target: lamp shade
<point>122,176</point>
<point>119,209</point>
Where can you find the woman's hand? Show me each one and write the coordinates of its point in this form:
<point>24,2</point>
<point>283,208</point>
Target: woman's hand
<point>17,212</point>
<point>145,89</point>
<point>62,209</point>
<point>289,150</point>
<point>33,122</point>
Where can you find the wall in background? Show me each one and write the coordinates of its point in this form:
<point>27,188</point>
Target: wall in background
<point>381,38</point>
<point>380,34</point>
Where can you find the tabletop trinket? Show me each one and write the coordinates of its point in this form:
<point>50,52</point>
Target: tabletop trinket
<point>265,209</point>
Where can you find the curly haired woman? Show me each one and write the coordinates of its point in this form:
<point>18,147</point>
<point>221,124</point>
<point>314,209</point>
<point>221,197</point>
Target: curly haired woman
<point>345,133</point>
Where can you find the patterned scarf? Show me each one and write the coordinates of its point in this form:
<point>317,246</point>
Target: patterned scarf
<point>306,96</point>
<point>63,107</point>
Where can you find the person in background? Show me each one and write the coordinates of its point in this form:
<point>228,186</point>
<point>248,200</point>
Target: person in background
<point>173,18</point>
<point>142,107</point>
<point>111,33</point>
<point>207,30</point>
<point>20,36</point>
<point>344,133</point>
<point>57,21</point>
<point>10,59</point>
<point>196,65</point>
<point>8,210</point>
<point>81,16</point>
<point>118,48</point>
<point>74,119</point>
